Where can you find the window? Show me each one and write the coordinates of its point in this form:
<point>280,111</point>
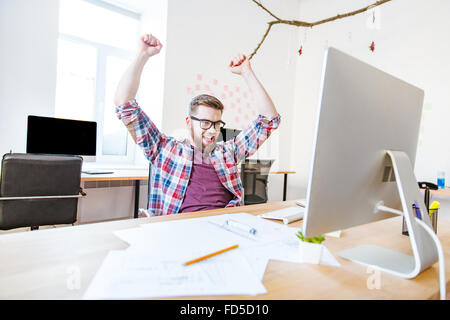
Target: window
<point>96,44</point>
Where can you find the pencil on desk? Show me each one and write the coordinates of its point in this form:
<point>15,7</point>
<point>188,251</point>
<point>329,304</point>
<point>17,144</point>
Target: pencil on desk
<point>210,255</point>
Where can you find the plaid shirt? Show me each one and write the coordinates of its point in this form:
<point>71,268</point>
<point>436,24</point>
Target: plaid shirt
<point>172,160</point>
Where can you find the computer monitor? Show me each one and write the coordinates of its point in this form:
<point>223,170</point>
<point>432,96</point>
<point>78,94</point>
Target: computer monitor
<point>363,158</point>
<point>62,136</point>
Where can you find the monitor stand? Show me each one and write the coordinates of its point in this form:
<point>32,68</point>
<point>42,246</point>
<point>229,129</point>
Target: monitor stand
<point>423,247</point>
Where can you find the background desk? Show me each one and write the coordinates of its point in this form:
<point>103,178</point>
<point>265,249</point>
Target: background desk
<point>39,264</point>
<point>136,175</point>
<point>441,192</point>
<point>139,175</point>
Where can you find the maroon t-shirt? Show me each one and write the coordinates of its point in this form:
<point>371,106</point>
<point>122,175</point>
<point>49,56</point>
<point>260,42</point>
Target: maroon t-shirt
<point>205,191</point>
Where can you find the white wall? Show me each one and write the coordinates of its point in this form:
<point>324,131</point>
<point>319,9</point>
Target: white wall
<point>410,43</point>
<point>28,47</point>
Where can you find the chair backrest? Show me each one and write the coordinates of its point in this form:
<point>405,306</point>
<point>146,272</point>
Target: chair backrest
<point>228,134</point>
<point>254,176</point>
<point>30,175</point>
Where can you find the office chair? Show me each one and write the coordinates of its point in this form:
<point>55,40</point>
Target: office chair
<point>254,177</point>
<point>228,134</point>
<point>38,190</point>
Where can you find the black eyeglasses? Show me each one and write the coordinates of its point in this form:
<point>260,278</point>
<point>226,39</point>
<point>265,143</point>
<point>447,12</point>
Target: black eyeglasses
<point>206,124</point>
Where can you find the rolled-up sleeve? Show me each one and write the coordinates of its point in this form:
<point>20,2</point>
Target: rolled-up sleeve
<point>142,129</point>
<point>247,142</point>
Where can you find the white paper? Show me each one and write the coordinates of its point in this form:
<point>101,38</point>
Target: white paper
<point>125,275</point>
<point>181,240</point>
<point>128,235</point>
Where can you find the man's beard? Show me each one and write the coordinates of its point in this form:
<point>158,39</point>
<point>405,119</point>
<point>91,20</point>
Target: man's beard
<point>198,143</point>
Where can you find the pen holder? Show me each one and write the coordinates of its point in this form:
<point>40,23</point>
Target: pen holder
<point>434,218</point>
<point>433,215</point>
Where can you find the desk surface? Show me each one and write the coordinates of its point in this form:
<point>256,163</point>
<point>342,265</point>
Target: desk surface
<point>129,174</point>
<point>138,174</point>
<point>38,264</point>
<point>442,192</point>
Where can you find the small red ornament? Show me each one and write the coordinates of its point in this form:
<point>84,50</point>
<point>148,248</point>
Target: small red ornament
<point>372,47</point>
<point>301,50</point>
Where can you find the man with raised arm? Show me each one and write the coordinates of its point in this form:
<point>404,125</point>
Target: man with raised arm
<point>197,173</point>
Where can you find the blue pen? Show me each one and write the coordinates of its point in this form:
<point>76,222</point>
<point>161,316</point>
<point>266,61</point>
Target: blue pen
<point>416,206</point>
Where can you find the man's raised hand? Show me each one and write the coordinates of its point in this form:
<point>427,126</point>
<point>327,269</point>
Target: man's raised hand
<point>240,64</point>
<point>150,45</point>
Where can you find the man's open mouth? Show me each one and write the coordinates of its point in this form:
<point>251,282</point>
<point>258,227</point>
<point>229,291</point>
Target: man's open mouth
<point>208,140</point>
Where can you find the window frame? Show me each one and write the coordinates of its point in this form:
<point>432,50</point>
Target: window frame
<point>103,52</point>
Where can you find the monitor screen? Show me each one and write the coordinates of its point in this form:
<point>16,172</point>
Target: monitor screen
<point>61,136</point>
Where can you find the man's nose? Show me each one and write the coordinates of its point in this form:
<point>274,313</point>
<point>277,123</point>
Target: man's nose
<point>213,130</point>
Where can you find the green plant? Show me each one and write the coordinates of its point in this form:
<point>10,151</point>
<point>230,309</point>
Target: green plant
<point>318,239</point>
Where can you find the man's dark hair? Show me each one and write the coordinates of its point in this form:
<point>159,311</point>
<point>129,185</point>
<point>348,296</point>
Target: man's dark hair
<point>205,100</point>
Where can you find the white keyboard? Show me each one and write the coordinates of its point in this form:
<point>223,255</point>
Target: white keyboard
<point>287,215</point>
<point>95,171</point>
<point>301,203</point>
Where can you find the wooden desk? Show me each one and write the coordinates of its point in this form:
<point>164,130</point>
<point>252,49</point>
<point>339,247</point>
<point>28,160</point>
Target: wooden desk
<point>136,175</point>
<point>39,264</point>
<point>441,192</point>
<point>285,173</point>
<point>139,175</point>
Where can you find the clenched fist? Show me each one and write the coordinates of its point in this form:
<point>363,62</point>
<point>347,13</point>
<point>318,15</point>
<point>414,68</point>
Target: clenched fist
<point>240,64</point>
<point>150,45</point>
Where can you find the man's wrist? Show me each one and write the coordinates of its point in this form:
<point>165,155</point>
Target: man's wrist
<point>142,57</point>
<point>247,74</point>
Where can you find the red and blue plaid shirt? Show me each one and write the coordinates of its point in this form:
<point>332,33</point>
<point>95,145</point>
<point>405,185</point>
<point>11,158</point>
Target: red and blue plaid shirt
<point>171,160</point>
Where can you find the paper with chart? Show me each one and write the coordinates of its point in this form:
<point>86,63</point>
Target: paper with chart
<point>124,275</point>
<point>153,264</point>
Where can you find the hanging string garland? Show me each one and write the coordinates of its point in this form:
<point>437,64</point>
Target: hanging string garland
<point>373,26</point>
<point>312,24</point>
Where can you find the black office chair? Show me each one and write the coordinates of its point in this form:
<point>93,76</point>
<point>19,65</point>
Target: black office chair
<point>38,190</point>
<point>254,177</point>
